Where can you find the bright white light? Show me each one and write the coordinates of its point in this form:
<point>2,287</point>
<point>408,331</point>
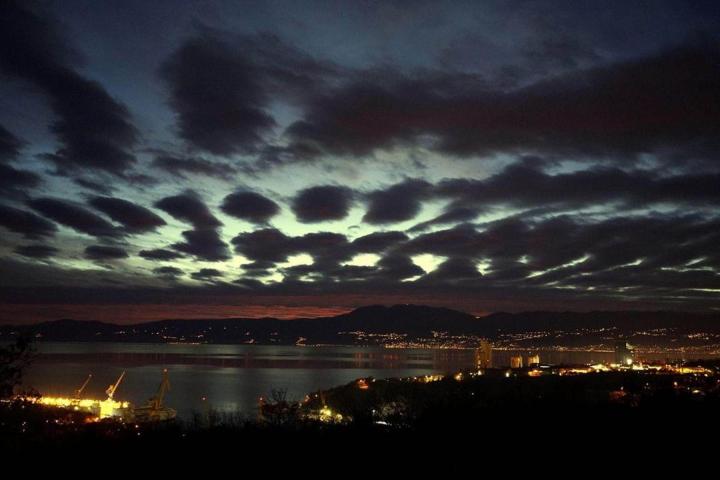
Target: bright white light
<point>299,259</point>
<point>427,261</point>
<point>572,263</point>
<point>363,260</point>
<point>484,267</point>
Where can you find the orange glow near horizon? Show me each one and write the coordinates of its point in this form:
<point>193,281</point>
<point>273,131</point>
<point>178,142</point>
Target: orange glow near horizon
<point>285,308</point>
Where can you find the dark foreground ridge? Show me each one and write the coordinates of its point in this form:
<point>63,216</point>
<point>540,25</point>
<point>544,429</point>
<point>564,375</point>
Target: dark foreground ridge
<point>404,325</point>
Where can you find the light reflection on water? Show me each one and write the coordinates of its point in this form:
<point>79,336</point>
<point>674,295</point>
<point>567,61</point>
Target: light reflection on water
<point>233,377</point>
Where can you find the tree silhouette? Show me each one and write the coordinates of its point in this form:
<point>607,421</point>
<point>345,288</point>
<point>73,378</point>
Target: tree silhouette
<point>14,359</point>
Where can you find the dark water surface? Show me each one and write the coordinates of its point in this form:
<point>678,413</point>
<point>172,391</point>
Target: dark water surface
<point>232,377</point>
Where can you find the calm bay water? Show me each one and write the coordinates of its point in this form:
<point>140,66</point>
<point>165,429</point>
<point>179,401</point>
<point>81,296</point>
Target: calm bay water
<point>232,377</point>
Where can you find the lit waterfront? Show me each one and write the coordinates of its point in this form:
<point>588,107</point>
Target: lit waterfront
<point>231,378</point>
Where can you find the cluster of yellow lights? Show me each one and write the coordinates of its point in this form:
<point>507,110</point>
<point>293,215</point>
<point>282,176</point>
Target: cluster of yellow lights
<point>691,370</point>
<point>429,378</point>
<point>328,416</point>
<point>102,408</point>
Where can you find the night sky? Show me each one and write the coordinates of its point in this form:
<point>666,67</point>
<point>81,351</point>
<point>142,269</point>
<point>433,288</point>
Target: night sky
<point>164,159</point>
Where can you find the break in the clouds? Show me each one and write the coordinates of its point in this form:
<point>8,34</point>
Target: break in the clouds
<point>481,155</point>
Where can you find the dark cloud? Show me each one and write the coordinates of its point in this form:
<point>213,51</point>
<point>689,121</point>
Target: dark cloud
<point>93,128</point>
<point>613,199</point>
<point>377,242</point>
<point>188,167</point>
<point>104,252</point>
<point>326,248</point>
<point>204,244</point>
<point>566,252</point>
<point>135,218</point>
<point>36,251</point>
<point>322,203</point>
<point>206,274</point>
<point>453,269</point>
<point>554,46</point>
<point>397,203</point>
<point>10,145</point>
<point>269,247</point>
<point>94,185</point>
<point>250,206</point>
<point>189,207</point>
<point>25,223</point>
<point>168,272</point>
<point>204,241</point>
<point>74,216</point>
<point>525,185</point>
<point>662,104</point>
<point>221,88</point>
<point>217,96</point>
<point>16,183</point>
<point>557,260</point>
<point>269,244</point>
<point>160,254</point>
<point>398,267</point>
<point>453,214</point>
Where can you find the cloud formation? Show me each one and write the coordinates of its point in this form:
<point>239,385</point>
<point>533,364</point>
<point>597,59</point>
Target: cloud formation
<point>135,218</point>
<point>190,208</point>
<point>661,104</point>
<point>322,203</point>
<point>74,216</point>
<point>250,206</point>
<point>94,129</point>
<point>397,203</point>
<point>25,223</point>
<point>504,158</point>
<point>104,252</point>
<point>187,167</point>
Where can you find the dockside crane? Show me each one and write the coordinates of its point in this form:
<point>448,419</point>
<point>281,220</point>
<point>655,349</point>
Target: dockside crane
<point>154,410</point>
<point>156,402</point>
<point>79,391</point>
<point>111,388</point>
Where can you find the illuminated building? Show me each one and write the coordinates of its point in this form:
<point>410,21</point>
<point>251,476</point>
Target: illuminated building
<point>533,360</point>
<point>516,361</point>
<point>623,353</point>
<point>483,355</point>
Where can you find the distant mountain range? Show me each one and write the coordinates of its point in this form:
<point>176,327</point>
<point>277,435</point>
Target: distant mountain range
<point>402,324</point>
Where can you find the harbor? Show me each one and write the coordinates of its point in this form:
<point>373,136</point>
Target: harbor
<point>111,408</point>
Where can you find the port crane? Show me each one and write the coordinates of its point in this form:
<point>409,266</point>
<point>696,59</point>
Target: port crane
<point>154,410</point>
<point>156,401</point>
<point>79,391</point>
<point>111,388</point>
